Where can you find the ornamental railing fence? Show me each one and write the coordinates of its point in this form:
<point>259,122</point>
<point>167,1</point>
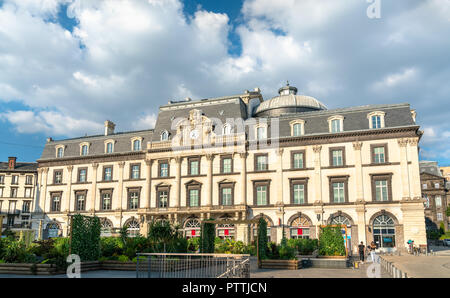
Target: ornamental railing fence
<point>193,265</point>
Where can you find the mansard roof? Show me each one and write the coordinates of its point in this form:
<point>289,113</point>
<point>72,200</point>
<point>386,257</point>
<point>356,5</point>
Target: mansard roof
<point>20,167</point>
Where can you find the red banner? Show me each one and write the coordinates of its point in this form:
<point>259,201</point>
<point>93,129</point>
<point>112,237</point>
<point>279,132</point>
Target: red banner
<point>299,231</point>
<point>227,232</point>
<point>192,232</point>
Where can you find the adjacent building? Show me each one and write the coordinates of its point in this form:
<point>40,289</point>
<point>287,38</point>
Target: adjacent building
<point>18,191</point>
<point>434,191</point>
<point>289,160</point>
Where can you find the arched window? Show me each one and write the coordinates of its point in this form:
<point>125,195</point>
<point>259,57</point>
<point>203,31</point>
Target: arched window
<point>225,231</point>
<point>136,145</point>
<point>192,228</point>
<point>384,231</point>
<point>300,228</point>
<point>227,130</point>
<point>165,135</point>
<point>133,227</point>
<point>84,150</point>
<point>340,220</point>
<point>53,230</point>
<point>106,227</point>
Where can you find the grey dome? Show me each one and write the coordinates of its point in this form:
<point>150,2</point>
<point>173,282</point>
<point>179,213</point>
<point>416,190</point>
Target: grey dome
<point>289,102</point>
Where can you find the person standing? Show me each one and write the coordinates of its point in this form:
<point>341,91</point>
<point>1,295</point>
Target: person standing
<point>372,248</point>
<point>361,248</point>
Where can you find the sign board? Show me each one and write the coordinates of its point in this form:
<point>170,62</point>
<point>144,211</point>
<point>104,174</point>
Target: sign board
<point>226,232</point>
<point>299,231</point>
<point>192,232</point>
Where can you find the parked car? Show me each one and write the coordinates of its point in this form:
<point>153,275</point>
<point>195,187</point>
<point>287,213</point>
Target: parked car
<point>446,242</point>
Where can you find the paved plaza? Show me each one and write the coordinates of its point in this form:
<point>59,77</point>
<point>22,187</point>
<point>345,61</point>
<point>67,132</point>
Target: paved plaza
<point>422,266</point>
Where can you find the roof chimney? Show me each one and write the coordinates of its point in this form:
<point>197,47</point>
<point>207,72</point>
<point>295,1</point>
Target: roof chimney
<point>109,127</point>
<point>11,163</point>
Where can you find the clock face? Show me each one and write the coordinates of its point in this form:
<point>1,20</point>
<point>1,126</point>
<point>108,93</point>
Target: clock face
<point>194,134</point>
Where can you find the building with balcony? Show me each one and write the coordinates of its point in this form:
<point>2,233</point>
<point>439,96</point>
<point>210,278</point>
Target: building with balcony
<point>289,160</point>
<point>18,191</point>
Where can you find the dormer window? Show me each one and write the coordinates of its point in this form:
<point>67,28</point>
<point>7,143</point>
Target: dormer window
<point>109,146</point>
<point>136,144</point>
<point>261,132</point>
<point>227,130</point>
<point>60,151</point>
<point>376,119</point>
<point>84,149</point>
<point>297,128</point>
<point>336,124</point>
<point>165,136</point>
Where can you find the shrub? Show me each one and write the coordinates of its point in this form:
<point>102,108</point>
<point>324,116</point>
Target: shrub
<point>86,237</point>
<point>303,246</point>
<point>16,252</point>
<point>193,244</point>
<point>123,258</point>
<point>110,246</point>
<point>208,238</point>
<point>262,238</point>
<point>331,242</point>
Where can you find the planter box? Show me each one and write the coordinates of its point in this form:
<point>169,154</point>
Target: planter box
<point>27,269</point>
<point>281,264</point>
<point>331,263</point>
<point>333,257</point>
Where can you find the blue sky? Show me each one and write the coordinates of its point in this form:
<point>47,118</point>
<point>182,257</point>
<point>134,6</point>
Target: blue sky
<point>68,65</point>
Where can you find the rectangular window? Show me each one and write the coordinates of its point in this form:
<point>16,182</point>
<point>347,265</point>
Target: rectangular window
<point>135,171</point>
<point>109,148</point>
<point>438,200</point>
<point>194,165</point>
<point>28,180</point>
<point>261,195</point>
<point>80,201</point>
<point>379,155</point>
<point>60,153</point>
<point>2,179</point>
<point>339,192</point>
<point>82,173</point>
<point>424,186</point>
<point>376,122</point>
<point>133,199</point>
<point>337,158</point>
<point>1,192</point>
<point>164,169</point>
<point>436,185</point>
<point>84,150</point>
<point>28,191</point>
<point>106,201</point>
<point>297,129</point>
<point>439,216</point>
<point>227,165</point>
<point>58,177</point>
<point>163,199</point>
<point>26,207</point>
<point>56,202</point>
<point>298,160</point>
<point>381,190</point>
<point>15,179</point>
<point>299,194</point>
<point>194,198</point>
<point>13,192</point>
<point>227,196</point>
<point>261,162</point>
<point>427,201</point>
<point>12,207</point>
<point>336,125</point>
<point>107,174</point>
<point>261,133</point>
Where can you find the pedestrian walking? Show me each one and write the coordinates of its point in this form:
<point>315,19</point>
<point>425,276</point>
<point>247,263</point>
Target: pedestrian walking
<point>361,248</point>
<point>372,248</point>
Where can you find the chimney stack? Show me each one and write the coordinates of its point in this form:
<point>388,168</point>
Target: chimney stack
<point>11,163</point>
<point>109,127</point>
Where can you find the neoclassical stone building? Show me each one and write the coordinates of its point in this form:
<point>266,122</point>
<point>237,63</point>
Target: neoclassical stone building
<point>289,160</point>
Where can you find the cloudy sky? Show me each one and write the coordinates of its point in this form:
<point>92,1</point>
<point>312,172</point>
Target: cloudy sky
<point>68,65</point>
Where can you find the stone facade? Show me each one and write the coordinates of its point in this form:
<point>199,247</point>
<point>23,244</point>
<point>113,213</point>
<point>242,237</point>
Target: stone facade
<point>192,168</point>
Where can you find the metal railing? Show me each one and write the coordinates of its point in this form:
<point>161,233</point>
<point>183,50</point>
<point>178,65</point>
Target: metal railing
<point>193,265</point>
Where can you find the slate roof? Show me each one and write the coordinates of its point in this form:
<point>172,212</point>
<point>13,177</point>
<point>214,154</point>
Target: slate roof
<point>20,167</point>
<point>430,167</point>
<point>355,119</point>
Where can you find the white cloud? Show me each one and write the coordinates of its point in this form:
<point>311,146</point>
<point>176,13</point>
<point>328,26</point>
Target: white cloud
<point>137,55</point>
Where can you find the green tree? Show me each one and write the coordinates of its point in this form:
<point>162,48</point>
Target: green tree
<point>86,237</point>
<point>208,235</point>
<point>262,238</point>
<point>331,242</point>
<point>448,211</point>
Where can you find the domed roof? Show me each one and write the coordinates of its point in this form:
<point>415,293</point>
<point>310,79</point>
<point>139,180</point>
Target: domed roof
<point>288,98</point>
